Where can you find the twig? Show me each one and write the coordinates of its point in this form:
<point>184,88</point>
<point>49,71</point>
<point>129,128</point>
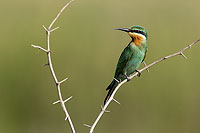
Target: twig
<point>64,100</point>
<point>41,48</point>
<point>134,75</point>
<point>87,125</point>
<point>145,65</point>
<point>58,83</point>
<point>57,16</point>
<point>116,101</point>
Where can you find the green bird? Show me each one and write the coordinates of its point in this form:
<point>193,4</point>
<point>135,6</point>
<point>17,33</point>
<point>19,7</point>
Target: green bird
<point>131,58</point>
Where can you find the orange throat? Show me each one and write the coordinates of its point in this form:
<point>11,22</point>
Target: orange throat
<point>137,39</point>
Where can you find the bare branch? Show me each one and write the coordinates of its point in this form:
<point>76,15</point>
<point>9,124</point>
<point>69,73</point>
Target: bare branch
<point>145,65</point>
<point>56,102</point>
<point>67,99</point>
<point>183,55</point>
<point>67,117</point>
<point>48,31</point>
<point>60,12</point>
<point>107,111</point>
<point>54,29</point>
<point>116,101</point>
<point>41,48</point>
<point>63,101</point>
<point>63,80</point>
<point>87,125</point>
<point>134,75</point>
<point>44,28</point>
<point>46,64</point>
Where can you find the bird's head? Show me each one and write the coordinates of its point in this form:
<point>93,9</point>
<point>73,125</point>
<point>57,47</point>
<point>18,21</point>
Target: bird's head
<point>137,33</point>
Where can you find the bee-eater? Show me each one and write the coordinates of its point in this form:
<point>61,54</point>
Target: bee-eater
<point>131,58</point>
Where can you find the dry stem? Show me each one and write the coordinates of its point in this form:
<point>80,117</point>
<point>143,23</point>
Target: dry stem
<point>58,83</point>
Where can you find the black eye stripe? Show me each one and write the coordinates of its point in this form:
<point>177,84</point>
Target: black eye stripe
<point>140,32</point>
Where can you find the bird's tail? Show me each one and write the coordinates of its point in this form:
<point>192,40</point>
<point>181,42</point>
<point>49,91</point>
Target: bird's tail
<point>111,88</point>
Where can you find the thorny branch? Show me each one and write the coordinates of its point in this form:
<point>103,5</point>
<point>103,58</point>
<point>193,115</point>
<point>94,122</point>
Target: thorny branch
<point>58,83</point>
<point>134,75</point>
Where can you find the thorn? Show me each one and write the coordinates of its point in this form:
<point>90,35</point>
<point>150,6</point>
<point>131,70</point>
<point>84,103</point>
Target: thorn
<point>116,80</point>
<point>183,55</point>
<point>66,118</point>
<point>39,47</point>
<point>63,101</point>
<point>87,125</point>
<point>107,111</point>
<point>67,99</point>
<point>46,64</point>
<point>56,102</point>
<point>63,80</point>
<point>116,101</point>
<point>145,65</point>
<point>54,29</point>
<point>44,28</point>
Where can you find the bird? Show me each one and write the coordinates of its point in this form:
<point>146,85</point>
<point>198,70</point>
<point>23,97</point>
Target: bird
<point>131,57</point>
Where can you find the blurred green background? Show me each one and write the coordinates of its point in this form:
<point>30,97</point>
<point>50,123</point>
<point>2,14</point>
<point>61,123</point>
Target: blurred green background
<point>86,49</point>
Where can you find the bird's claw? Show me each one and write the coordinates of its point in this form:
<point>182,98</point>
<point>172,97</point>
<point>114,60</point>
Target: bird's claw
<point>127,78</point>
<point>139,73</point>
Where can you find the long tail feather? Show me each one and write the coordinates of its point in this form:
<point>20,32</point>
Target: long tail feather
<point>111,88</point>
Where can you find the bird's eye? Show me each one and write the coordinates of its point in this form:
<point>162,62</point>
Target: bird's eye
<point>140,32</point>
<point>136,31</point>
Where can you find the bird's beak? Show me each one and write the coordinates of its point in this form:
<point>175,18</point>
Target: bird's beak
<point>124,29</point>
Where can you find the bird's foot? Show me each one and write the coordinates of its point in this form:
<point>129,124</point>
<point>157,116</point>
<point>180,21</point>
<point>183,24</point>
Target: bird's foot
<point>128,79</point>
<point>139,73</point>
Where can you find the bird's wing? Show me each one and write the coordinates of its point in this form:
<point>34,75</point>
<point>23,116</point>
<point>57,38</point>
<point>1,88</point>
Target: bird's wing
<point>145,55</point>
<point>125,56</point>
